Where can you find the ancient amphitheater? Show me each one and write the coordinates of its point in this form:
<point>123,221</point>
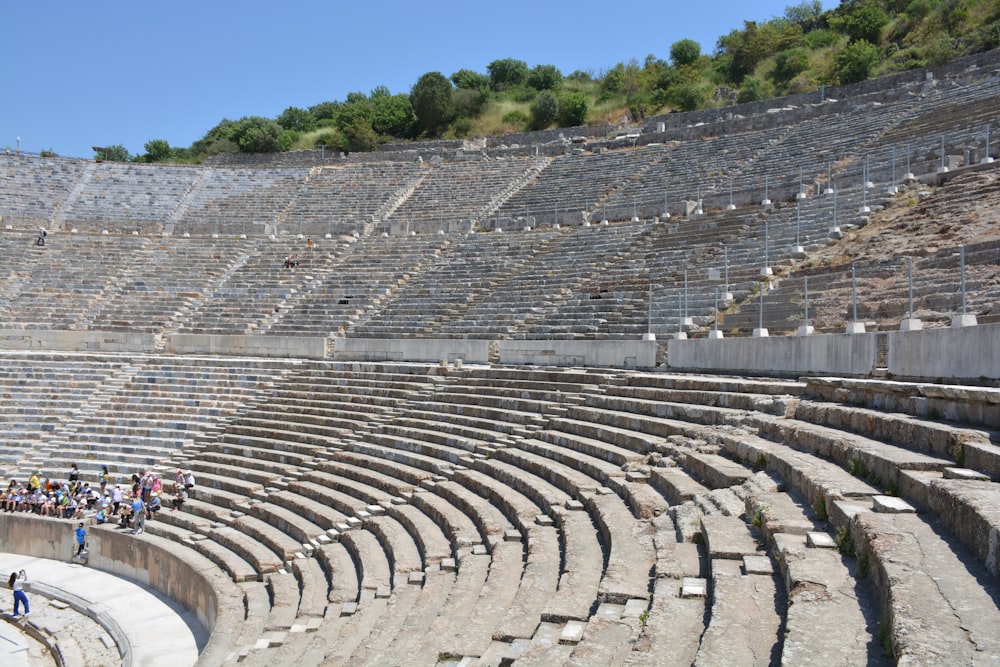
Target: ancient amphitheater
<point>662,396</point>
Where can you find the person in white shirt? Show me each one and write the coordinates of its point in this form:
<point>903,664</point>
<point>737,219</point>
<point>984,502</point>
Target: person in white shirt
<point>17,582</point>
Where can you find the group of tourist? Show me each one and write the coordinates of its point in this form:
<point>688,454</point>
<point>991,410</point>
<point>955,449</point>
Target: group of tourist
<point>73,499</point>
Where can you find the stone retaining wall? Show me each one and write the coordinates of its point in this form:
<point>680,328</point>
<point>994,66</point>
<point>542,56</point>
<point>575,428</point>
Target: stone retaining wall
<point>77,341</point>
<point>628,354</point>
<point>283,347</point>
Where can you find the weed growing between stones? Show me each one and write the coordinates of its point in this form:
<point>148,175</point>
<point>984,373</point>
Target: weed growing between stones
<point>884,635</point>
<point>864,567</point>
<point>819,508</point>
<point>844,541</point>
<point>959,454</point>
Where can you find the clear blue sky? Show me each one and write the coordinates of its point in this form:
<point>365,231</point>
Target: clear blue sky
<point>79,74</point>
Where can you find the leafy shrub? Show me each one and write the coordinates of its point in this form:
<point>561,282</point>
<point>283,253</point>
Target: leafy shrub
<point>544,110</point>
<point>685,52</point>
<point>572,109</point>
<point>856,62</point>
<point>544,77</point>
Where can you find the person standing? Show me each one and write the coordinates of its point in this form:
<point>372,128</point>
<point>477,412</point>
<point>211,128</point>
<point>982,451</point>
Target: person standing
<point>138,516</point>
<point>81,539</point>
<point>116,498</point>
<point>17,582</point>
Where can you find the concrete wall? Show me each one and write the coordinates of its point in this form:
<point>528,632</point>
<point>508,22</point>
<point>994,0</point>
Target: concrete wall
<point>413,349</point>
<point>190,579</point>
<point>836,354</point>
<point>278,347</point>
<point>955,353</point>
<point>597,353</point>
<point>77,341</point>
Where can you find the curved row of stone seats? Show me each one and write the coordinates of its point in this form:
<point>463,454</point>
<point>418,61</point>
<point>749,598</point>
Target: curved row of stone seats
<point>255,290</point>
<point>40,394</point>
<point>830,288</point>
<point>168,278</point>
<point>125,197</point>
<point>463,190</point>
<point>686,169</point>
<point>445,296</point>
<point>35,189</point>
<point>854,515</point>
<point>357,284</point>
<point>236,201</point>
<point>348,198</point>
<point>144,410</point>
<point>446,288</point>
<point>58,289</point>
<point>725,549</point>
<point>575,183</point>
<point>958,114</point>
<point>661,428</point>
<point>533,513</point>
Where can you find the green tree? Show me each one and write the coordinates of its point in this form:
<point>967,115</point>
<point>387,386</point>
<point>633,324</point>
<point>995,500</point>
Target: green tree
<point>157,150</point>
<point>324,111</point>
<point>790,63</point>
<point>470,103</point>
<point>544,77</point>
<point>393,115</point>
<point>685,52</point>
<point>348,113</point>
<point>466,79</point>
<point>753,89</point>
<point>507,73</point>
<point>861,22</point>
<point>359,135</point>
<point>115,153</point>
<point>688,96</point>
<point>744,49</point>
<point>254,134</point>
<point>807,14</point>
<point>856,62</point>
<point>544,110</point>
<point>216,141</point>
<point>572,109</point>
<point>431,98</point>
<point>294,118</point>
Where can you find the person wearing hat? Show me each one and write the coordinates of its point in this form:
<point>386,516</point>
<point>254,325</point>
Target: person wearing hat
<point>154,504</point>
<point>179,498</point>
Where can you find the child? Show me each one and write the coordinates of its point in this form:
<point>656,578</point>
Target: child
<point>81,539</point>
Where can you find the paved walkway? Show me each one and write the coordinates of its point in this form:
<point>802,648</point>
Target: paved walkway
<point>159,631</point>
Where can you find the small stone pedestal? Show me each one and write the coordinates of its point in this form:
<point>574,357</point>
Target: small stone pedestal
<point>911,324</point>
<point>855,328</point>
<point>964,321</point>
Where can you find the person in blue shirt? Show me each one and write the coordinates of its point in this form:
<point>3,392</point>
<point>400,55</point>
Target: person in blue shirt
<point>138,515</point>
<point>81,539</point>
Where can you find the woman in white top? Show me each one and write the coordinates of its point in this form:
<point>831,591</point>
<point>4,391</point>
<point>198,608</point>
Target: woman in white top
<point>17,581</point>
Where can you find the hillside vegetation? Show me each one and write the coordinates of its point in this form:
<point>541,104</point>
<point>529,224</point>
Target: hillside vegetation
<point>802,50</point>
